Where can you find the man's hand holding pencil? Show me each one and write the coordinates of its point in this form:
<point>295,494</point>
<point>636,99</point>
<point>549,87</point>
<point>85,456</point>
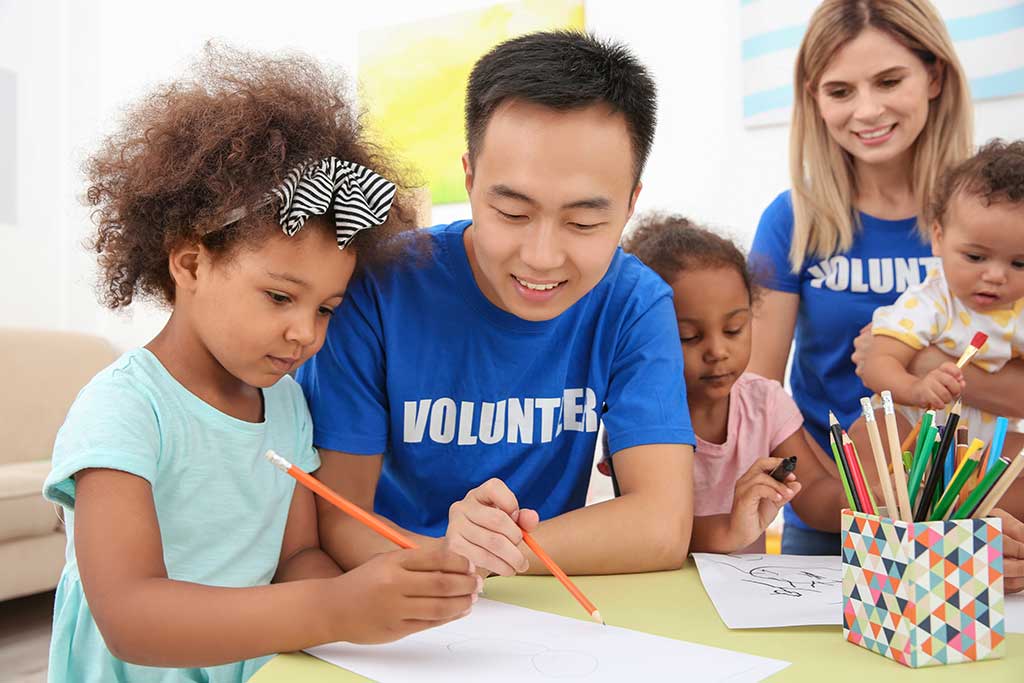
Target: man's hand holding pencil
<point>487,527</point>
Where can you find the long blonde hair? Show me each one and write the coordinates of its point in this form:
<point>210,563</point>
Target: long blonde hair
<point>822,175</point>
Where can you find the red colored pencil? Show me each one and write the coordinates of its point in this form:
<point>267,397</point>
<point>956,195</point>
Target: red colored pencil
<point>858,476</point>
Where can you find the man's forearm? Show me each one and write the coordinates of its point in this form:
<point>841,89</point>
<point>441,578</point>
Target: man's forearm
<point>619,536</point>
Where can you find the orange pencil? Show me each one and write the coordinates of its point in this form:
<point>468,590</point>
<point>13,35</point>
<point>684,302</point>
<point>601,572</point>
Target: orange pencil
<point>350,508</point>
<point>557,572</point>
<point>346,506</point>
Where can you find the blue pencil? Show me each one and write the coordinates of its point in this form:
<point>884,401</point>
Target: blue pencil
<point>998,439</point>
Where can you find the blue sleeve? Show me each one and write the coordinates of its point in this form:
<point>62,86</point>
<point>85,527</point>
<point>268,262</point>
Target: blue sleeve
<point>111,425</point>
<point>646,402</point>
<point>769,254</point>
<point>344,382</point>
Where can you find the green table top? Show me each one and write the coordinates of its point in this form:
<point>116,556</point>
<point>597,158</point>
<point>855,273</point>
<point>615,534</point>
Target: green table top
<point>674,604</point>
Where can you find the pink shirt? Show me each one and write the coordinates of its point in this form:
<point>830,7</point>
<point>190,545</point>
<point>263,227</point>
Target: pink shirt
<point>761,416</point>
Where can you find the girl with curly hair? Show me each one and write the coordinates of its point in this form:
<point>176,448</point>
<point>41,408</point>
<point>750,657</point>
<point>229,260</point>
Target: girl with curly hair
<point>243,198</point>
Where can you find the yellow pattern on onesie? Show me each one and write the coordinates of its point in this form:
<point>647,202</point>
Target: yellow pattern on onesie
<point>928,315</point>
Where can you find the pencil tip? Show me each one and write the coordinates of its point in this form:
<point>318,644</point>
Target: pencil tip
<point>596,616</point>
<point>832,418</point>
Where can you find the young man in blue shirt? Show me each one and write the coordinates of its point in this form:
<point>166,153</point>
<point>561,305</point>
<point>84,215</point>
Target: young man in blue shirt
<point>460,397</point>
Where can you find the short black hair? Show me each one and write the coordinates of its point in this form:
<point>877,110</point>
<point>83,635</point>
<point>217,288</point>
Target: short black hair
<point>564,70</point>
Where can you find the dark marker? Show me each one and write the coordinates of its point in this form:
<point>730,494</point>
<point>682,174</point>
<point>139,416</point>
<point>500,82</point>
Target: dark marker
<point>783,469</point>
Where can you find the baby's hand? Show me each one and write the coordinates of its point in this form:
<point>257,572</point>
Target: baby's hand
<point>757,500</point>
<point>940,386</point>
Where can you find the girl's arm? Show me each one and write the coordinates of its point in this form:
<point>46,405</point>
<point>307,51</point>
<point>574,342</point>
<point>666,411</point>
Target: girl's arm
<point>774,323</point>
<point>301,554</point>
<point>756,502</point>
<point>999,393</point>
<point>821,497</point>
<point>147,618</point>
<point>885,368</point>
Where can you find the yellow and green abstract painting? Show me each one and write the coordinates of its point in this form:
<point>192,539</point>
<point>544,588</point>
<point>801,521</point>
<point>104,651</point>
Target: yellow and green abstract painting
<point>412,80</point>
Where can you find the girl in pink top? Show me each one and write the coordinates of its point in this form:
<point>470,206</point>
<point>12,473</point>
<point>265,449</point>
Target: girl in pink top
<point>744,423</point>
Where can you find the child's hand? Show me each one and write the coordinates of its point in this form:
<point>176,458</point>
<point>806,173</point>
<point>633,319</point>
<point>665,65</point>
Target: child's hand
<point>402,592</point>
<point>939,387</point>
<point>486,527</point>
<point>757,500</point>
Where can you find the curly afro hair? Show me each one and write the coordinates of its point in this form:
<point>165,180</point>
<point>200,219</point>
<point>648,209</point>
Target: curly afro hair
<point>197,148</point>
<point>995,174</point>
<point>670,244</point>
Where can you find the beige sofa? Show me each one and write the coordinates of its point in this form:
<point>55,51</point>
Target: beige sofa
<point>42,373</point>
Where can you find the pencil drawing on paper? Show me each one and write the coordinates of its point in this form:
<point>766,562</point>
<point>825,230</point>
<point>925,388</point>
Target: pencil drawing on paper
<point>545,661</point>
<point>785,581</point>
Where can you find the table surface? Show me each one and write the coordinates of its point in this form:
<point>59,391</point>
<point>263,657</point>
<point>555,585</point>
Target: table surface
<point>674,604</point>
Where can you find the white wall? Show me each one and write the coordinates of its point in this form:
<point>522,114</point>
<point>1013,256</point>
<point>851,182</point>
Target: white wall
<point>80,62</point>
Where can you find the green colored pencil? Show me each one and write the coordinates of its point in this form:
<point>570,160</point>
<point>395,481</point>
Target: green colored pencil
<point>982,489</point>
<point>922,435</point>
<point>921,461</point>
<point>945,505</point>
<point>842,474</point>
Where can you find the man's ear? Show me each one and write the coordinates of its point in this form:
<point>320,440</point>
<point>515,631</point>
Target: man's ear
<point>633,198</point>
<point>467,167</point>
<point>184,262</point>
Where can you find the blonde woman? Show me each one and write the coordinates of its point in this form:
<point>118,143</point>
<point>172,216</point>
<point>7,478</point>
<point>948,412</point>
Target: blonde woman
<point>881,106</point>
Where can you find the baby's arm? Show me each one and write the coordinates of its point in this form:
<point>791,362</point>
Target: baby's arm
<point>147,618</point>
<point>821,497</point>
<point>885,368</point>
<point>756,501</point>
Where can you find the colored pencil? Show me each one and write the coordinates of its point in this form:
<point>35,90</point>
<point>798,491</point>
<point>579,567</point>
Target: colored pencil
<point>1004,482</point>
<point>944,508</point>
<point>858,477</point>
<point>998,439</point>
<point>860,469</point>
<point>398,539</point>
<point>343,504</point>
<point>977,341</point>
<point>912,436</point>
<point>931,484</point>
<point>563,578</point>
<point>880,463</point>
<point>921,466</point>
<point>899,474</point>
<point>922,435</point>
<point>973,502</point>
<point>844,470</point>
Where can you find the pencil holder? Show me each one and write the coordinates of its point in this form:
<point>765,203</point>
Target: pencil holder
<point>924,593</point>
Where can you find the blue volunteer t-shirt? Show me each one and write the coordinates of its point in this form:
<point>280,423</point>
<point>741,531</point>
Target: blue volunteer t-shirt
<point>419,365</point>
<point>838,295</point>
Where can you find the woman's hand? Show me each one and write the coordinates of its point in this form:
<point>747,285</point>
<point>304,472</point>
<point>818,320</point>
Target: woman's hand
<point>861,346</point>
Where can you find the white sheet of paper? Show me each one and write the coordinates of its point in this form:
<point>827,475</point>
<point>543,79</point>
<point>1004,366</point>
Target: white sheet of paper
<point>768,591</point>
<point>1015,613</point>
<point>499,642</point>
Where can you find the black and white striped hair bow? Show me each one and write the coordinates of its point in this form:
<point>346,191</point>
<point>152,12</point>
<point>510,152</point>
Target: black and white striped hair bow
<point>359,197</point>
